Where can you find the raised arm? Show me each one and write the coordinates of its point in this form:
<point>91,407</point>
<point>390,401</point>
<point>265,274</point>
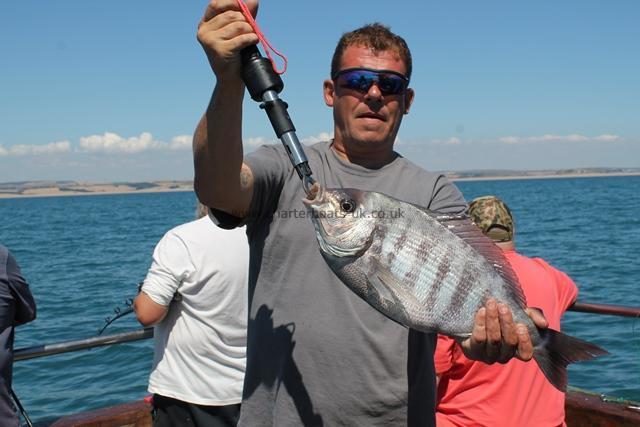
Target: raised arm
<point>221,179</point>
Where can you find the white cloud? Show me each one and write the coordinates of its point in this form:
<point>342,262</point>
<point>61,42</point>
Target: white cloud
<point>113,143</point>
<point>559,138</point>
<point>322,136</point>
<point>607,138</point>
<point>309,140</point>
<point>510,139</point>
<point>256,142</point>
<point>438,141</point>
<point>36,150</point>
<point>181,142</point>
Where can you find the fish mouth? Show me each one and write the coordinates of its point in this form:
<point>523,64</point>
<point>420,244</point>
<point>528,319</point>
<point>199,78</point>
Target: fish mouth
<point>314,200</point>
<point>315,197</point>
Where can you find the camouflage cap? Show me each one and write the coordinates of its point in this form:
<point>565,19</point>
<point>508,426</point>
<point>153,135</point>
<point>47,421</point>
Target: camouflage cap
<point>493,217</point>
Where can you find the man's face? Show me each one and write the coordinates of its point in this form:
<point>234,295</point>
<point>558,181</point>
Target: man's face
<point>368,120</point>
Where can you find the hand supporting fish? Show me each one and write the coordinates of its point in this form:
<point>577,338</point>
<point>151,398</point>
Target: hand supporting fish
<point>497,338</point>
<point>437,273</point>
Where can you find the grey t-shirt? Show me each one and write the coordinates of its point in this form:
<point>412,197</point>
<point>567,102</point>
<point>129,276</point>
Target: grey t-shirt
<point>316,353</point>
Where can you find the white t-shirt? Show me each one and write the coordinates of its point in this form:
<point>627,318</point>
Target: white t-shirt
<point>200,346</point>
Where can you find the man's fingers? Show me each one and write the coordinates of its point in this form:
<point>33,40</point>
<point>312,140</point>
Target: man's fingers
<point>236,29</point>
<point>525,346</point>
<point>509,334</point>
<point>507,326</point>
<point>479,334</point>
<point>493,322</point>
<point>537,316</point>
<point>474,346</point>
<point>494,336</point>
<point>224,20</point>
<point>216,7</point>
<point>223,35</point>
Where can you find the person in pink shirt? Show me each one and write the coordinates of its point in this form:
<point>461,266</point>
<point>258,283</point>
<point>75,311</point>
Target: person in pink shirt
<point>471,393</point>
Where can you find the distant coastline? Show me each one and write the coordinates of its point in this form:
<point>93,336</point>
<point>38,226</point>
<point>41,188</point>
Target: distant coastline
<point>587,173</point>
<point>26,189</point>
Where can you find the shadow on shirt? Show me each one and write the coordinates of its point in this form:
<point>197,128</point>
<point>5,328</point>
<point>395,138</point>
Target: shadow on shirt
<point>274,346</point>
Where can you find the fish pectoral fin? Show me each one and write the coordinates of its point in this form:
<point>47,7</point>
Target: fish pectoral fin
<point>382,288</point>
<point>389,287</point>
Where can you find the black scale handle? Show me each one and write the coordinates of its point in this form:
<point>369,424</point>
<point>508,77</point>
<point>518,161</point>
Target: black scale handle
<point>264,84</point>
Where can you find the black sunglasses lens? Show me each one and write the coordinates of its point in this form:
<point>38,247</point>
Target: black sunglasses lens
<point>359,80</point>
<point>362,80</point>
<point>390,84</point>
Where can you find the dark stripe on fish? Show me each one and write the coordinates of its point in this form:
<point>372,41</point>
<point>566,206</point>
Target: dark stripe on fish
<point>444,266</point>
<point>460,294</point>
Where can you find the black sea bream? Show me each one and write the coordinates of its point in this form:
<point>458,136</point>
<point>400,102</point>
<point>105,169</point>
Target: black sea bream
<point>428,271</point>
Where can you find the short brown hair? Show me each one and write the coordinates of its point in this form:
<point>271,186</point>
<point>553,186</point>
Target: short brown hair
<point>377,37</point>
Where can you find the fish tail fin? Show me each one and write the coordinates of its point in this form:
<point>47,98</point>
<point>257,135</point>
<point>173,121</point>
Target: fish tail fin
<point>558,350</point>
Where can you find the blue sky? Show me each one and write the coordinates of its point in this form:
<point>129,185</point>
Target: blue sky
<point>112,90</point>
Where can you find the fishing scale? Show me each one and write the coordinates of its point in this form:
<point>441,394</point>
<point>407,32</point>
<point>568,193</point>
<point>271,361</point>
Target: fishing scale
<point>264,84</point>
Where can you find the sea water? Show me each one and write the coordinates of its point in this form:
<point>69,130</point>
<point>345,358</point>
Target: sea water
<point>85,255</point>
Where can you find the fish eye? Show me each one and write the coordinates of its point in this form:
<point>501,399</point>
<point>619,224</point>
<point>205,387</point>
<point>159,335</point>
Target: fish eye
<point>348,205</point>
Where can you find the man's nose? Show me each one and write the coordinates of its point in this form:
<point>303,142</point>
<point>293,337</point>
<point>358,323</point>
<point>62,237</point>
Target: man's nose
<point>374,93</point>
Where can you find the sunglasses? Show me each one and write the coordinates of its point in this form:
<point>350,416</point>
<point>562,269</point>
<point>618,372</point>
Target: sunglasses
<point>361,79</point>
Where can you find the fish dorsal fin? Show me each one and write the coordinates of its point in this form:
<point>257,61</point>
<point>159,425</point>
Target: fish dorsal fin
<point>461,226</point>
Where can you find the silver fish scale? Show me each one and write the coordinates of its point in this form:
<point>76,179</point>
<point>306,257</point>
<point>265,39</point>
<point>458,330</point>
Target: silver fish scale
<point>448,279</point>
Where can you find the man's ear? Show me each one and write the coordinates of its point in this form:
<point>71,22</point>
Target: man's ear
<point>328,92</point>
<point>408,100</point>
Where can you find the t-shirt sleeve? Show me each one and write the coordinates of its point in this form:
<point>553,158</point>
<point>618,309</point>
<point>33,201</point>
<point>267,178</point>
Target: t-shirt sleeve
<point>270,167</point>
<point>443,356</point>
<point>568,290</point>
<point>171,264</point>
<point>447,197</point>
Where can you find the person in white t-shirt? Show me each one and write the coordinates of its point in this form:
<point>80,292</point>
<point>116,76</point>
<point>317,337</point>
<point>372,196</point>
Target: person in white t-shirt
<point>195,295</point>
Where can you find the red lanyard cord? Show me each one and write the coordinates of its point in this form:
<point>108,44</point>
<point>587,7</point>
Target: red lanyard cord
<point>265,43</point>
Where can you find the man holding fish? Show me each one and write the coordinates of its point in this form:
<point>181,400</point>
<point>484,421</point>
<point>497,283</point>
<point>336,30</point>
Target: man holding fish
<point>317,354</point>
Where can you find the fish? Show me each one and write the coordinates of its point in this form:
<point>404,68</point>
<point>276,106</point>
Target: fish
<point>428,271</point>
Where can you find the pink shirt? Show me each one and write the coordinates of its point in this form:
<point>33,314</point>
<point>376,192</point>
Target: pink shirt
<point>517,393</point>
